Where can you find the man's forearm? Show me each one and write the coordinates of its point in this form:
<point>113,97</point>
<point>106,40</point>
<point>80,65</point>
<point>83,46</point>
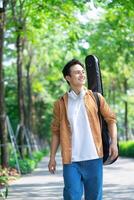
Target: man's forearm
<point>113,132</point>
<point>54,146</point>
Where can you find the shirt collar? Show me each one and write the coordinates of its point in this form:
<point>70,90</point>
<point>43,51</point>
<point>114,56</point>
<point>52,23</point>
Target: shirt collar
<point>74,96</point>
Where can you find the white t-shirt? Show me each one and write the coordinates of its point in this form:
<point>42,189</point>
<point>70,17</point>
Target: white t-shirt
<point>83,147</point>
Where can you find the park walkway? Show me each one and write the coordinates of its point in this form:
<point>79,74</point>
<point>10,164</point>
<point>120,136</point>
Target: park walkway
<point>40,185</point>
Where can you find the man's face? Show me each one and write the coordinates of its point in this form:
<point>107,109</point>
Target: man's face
<point>77,76</point>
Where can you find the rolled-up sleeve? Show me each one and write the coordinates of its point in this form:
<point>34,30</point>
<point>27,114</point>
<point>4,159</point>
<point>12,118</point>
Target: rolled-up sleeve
<point>55,125</point>
<point>106,111</point>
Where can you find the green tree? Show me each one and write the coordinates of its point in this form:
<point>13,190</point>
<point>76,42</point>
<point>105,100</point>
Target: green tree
<point>112,42</point>
<point>3,132</point>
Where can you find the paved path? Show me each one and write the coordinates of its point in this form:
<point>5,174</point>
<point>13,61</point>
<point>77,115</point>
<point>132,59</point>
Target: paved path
<point>40,185</point>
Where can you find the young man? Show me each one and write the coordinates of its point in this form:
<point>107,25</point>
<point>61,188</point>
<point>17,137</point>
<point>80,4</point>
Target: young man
<point>76,128</point>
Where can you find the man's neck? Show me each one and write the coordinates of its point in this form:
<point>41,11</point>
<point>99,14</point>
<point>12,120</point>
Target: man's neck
<point>77,90</point>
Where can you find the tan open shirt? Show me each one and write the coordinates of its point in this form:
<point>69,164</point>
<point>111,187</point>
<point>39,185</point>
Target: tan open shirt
<point>61,127</point>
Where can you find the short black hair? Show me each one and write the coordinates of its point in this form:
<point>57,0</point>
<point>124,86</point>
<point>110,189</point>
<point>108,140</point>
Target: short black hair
<point>66,69</point>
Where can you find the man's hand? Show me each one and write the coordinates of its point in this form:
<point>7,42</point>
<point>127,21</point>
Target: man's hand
<point>52,165</point>
<point>113,150</point>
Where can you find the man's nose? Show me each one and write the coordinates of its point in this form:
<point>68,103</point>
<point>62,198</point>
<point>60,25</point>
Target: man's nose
<point>82,73</point>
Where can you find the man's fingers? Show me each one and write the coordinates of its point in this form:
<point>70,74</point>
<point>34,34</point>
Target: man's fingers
<point>52,169</point>
<point>110,151</point>
<point>113,151</point>
<point>114,154</point>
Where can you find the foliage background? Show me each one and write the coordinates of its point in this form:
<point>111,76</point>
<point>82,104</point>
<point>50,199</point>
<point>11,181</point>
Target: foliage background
<point>57,31</point>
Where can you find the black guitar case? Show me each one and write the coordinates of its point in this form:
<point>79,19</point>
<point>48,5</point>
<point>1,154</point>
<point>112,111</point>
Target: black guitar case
<point>95,84</point>
<point>93,74</point>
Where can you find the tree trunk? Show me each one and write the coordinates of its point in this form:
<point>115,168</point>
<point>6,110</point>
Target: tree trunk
<point>33,117</point>
<point>113,97</point>
<point>29,104</point>
<point>3,130</point>
<point>21,107</point>
<point>19,21</point>
<point>126,111</point>
<point>29,97</point>
<point>126,120</point>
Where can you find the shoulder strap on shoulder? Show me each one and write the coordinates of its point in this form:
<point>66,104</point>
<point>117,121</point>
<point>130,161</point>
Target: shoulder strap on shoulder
<point>98,105</point>
<point>97,100</point>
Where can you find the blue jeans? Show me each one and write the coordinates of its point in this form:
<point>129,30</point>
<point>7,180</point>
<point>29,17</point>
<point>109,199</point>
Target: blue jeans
<point>87,175</point>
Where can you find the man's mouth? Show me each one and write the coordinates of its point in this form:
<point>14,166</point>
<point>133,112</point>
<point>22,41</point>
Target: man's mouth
<point>82,79</point>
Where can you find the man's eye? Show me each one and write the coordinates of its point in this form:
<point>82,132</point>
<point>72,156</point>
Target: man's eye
<point>79,72</point>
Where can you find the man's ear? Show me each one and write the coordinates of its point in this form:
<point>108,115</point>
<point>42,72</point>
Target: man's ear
<point>67,78</point>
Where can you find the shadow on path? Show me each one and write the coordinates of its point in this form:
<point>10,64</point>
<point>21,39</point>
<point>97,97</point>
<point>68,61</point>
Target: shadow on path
<point>119,180</point>
<point>118,192</point>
